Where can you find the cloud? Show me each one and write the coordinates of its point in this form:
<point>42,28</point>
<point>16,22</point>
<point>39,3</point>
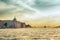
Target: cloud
<point>37,9</point>
<point>44,4</point>
<point>7,6</point>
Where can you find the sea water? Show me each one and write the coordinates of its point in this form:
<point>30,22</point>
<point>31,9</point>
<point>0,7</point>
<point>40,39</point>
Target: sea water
<point>30,34</point>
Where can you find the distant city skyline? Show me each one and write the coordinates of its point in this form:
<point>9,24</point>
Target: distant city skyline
<point>13,24</point>
<point>34,12</point>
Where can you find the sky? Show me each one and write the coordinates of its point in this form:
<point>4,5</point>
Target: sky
<point>37,13</point>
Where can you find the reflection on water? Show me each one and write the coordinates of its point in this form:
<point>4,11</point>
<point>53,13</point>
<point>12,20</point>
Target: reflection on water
<point>29,34</point>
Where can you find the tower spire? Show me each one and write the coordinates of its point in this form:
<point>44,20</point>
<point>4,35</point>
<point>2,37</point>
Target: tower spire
<point>14,19</point>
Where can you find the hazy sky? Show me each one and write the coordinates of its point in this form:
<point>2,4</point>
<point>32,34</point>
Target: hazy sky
<point>33,12</point>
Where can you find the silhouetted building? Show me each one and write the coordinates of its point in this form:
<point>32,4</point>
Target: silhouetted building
<point>28,26</point>
<point>57,27</point>
<point>12,24</point>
